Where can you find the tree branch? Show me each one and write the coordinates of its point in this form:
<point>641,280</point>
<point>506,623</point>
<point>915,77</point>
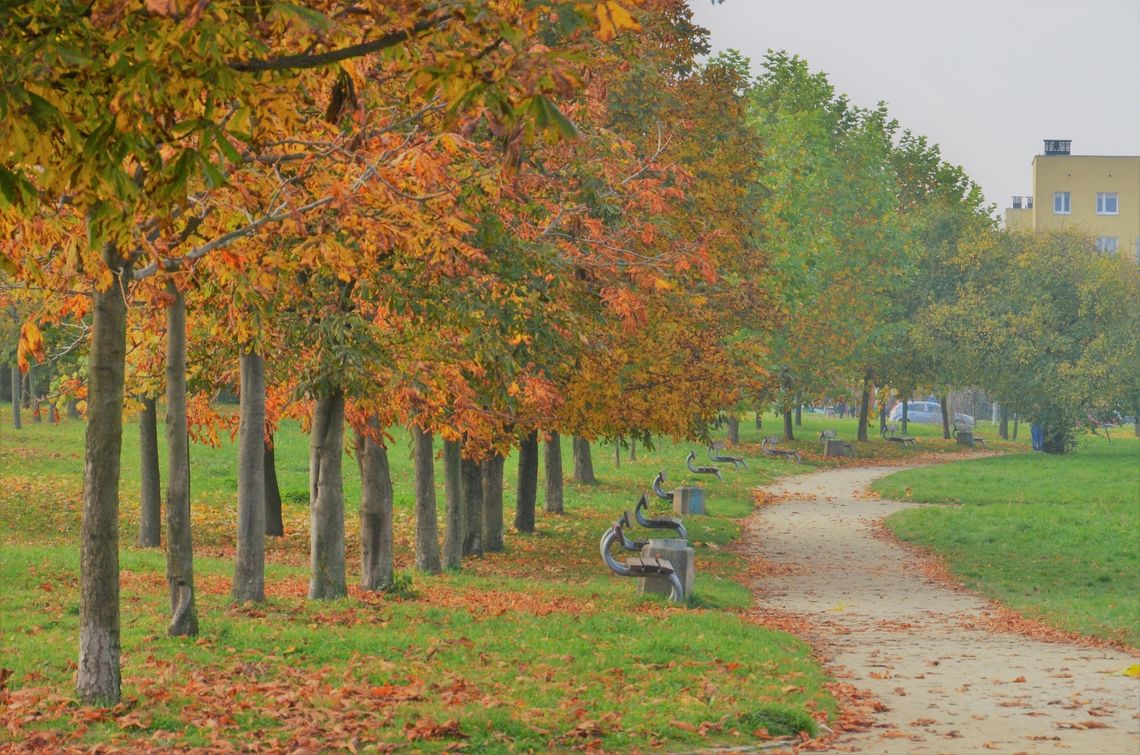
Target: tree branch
<point>306,60</point>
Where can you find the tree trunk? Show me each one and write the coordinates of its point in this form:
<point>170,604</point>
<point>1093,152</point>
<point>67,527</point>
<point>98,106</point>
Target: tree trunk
<point>632,448</point>
<point>905,414</point>
<point>97,677</point>
<point>1017,421</point>
<point>617,453</point>
<point>249,565</point>
<point>427,528</point>
<point>179,543</point>
<point>150,486</point>
<point>945,418</point>
<point>453,525</point>
<point>788,434</point>
<point>882,415</point>
<point>17,396</point>
<point>326,498</point>
<point>527,490</point>
<point>733,429</point>
<point>491,472</point>
<point>1003,426</point>
<point>583,463</point>
<point>799,411</point>
<point>376,564</point>
<point>759,421</point>
<point>864,408</point>
<point>274,525</point>
<point>472,485</point>
<point>553,500</point>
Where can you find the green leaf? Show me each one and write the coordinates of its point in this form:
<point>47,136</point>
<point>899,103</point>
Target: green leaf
<point>553,121</point>
<point>14,189</point>
<point>313,19</point>
<point>214,177</point>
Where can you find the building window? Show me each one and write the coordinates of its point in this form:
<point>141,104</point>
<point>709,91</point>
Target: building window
<point>1106,243</point>
<point>1061,203</point>
<point>1106,203</point>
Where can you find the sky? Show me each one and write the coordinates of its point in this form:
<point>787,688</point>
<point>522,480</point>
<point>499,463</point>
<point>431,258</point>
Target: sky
<point>986,80</point>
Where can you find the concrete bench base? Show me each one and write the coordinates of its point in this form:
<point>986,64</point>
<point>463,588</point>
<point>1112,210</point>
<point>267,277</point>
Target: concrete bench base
<point>680,557</point>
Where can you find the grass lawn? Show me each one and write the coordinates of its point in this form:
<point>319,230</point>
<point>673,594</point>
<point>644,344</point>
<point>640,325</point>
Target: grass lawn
<point>1055,537</point>
<point>535,648</point>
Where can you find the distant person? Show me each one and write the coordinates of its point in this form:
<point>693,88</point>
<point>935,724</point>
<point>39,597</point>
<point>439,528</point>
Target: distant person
<point>1037,433</point>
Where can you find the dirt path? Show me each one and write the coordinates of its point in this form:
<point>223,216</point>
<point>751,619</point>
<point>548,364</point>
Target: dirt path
<point>947,686</point>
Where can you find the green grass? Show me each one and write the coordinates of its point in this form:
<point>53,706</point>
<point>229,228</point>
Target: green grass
<point>537,647</point>
<point>1054,537</point>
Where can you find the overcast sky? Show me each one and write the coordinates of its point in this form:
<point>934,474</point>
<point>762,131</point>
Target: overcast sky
<point>987,80</point>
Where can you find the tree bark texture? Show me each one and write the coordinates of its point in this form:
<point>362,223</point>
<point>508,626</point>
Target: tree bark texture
<point>552,500</point>
<point>453,525</point>
<point>864,408</point>
<point>527,490</point>
<point>905,415</point>
<point>427,527</point>
<point>326,498</point>
<point>788,434</point>
<point>472,485</point>
<point>617,453</point>
<point>150,485</point>
<point>492,477</point>
<point>274,525</point>
<point>17,386</point>
<point>733,430</point>
<point>945,418</point>
<point>179,543</point>
<point>799,412</point>
<point>376,564</point>
<point>98,677</point>
<point>249,566</point>
<point>583,463</point>
<point>1003,427</point>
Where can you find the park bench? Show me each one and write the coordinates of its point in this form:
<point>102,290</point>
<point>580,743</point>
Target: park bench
<point>891,433</point>
<point>716,453</point>
<point>660,492</point>
<point>715,471</point>
<point>768,446</point>
<point>964,433</point>
<point>829,440</point>
<point>625,542</point>
<point>658,524</point>
<point>643,566</point>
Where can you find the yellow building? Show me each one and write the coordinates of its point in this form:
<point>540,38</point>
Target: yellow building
<point>1096,194</point>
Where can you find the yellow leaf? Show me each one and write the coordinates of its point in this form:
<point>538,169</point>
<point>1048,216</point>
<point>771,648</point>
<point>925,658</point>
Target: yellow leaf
<point>621,18</point>
<point>31,344</point>
<point>1133,670</point>
<point>606,30</point>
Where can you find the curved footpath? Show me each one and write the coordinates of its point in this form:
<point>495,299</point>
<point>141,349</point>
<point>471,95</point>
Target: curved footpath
<point>942,683</point>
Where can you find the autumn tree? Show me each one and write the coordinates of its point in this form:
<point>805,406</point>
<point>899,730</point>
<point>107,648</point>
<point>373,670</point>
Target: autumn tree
<point>91,129</point>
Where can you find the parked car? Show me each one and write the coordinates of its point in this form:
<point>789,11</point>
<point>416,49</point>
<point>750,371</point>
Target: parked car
<point>925,412</point>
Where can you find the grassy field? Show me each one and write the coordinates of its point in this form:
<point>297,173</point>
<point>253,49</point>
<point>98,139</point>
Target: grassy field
<point>1055,537</point>
<point>534,648</point>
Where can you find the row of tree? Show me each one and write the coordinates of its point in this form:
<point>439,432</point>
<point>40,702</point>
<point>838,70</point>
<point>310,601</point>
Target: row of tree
<point>477,221</point>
